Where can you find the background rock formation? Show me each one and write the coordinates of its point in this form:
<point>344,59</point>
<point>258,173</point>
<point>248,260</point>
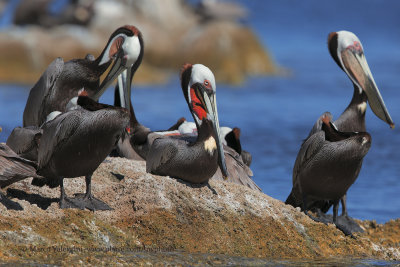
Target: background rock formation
<point>174,33</point>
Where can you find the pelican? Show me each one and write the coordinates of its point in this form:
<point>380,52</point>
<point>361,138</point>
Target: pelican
<point>62,81</point>
<point>347,51</point>
<point>195,162</point>
<point>74,144</point>
<point>142,138</point>
<point>328,163</point>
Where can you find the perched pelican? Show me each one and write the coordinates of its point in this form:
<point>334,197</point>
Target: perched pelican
<point>348,53</point>
<point>200,159</point>
<point>328,163</point>
<point>195,162</point>
<point>62,81</point>
<point>74,144</point>
<point>142,138</point>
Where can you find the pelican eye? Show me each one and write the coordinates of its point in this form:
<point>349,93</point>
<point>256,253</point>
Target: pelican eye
<point>356,47</point>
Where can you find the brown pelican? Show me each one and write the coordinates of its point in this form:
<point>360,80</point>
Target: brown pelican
<point>348,53</point>
<point>75,143</point>
<point>142,138</point>
<point>195,162</point>
<point>62,81</point>
<point>328,163</point>
<point>237,160</point>
<point>198,85</point>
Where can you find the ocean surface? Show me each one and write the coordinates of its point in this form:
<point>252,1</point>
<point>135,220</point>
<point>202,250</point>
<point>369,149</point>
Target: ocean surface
<point>276,113</point>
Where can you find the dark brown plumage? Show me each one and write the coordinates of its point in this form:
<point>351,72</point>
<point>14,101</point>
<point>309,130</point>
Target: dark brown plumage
<point>75,143</point>
<point>178,158</point>
<point>62,81</point>
<point>14,168</point>
<point>327,164</point>
<point>197,161</point>
<point>25,141</point>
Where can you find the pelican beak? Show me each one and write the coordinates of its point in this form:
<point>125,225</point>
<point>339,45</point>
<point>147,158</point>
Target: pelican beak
<point>124,87</point>
<point>117,68</point>
<point>356,67</point>
<point>212,114</point>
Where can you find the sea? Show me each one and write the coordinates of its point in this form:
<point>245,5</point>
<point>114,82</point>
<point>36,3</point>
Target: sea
<point>275,113</point>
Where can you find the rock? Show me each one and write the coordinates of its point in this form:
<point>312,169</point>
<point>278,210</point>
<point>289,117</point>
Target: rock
<point>153,213</point>
<point>173,35</point>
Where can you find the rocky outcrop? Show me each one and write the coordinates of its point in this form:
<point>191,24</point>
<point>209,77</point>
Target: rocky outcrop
<point>154,213</point>
<point>173,33</point>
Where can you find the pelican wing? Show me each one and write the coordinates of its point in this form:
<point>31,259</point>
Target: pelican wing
<point>13,168</point>
<point>310,146</point>
<point>23,140</point>
<point>39,92</point>
<point>161,152</point>
<point>56,133</point>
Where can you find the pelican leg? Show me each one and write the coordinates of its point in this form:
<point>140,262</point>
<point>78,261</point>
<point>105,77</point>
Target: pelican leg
<point>345,219</point>
<point>341,225</point>
<point>88,201</point>
<point>343,200</point>
<point>65,202</point>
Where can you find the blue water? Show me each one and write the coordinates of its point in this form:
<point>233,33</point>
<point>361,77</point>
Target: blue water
<point>276,113</point>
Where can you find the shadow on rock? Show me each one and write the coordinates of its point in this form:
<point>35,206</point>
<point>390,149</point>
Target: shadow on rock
<point>197,185</point>
<point>41,202</point>
<point>120,177</point>
<point>9,204</point>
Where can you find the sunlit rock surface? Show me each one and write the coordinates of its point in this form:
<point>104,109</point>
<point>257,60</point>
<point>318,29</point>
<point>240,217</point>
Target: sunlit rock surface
<point>153,213</point>
<point>174,33</point>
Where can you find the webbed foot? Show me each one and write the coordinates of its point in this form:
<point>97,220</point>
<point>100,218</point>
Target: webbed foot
<point>90,202</point>
<point>70,203</point>
<point>344,223</point>
<point>350,224</point>
<point>344,228</point>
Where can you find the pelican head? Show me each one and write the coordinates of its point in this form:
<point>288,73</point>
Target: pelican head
<point>199,89</point>
<point>348,52</point>
<point>125,48</point>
